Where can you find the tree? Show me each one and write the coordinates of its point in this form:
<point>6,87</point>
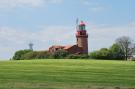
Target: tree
<point>19,54</point>
<point>37,55</point>
<point>29,55</point>
<point>75,56</point>
<point>95,55</point>
<point>43,55</point>
<point>126,46</point>
<point>61,53</point>
<point>103,53</point>
<point>116,52</point>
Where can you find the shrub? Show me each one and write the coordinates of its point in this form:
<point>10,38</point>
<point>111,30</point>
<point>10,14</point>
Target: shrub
<point>30,55</point>
<point>60,54</point>
<point>73,56</point>
<point>103,53</point>
<point>19,54</point>
<point>37,55</point>
<point>43,55</point>
<point>116,52</point>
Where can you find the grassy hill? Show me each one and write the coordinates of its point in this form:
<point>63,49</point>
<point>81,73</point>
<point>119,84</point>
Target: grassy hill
<point>67,74</point>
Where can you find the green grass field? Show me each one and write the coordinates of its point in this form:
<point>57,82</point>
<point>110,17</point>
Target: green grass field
<point>67,74</point>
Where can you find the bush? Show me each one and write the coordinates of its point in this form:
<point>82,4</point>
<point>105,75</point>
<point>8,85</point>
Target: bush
<point>73,56</point>
<point>19,54</point>
<point>37,55</point>
<point>116,52</point>
<point>60,54</point>
<point>30,55</point>
<point>103,53</point>
<point>95,55</point>
<point>43,55</point>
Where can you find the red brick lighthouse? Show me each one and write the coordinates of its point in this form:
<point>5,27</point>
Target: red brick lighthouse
<point>82,42</point>
<point>82,37</point>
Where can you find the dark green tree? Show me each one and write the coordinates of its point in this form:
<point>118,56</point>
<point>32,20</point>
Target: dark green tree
<point>74,56</point>
<point>59,54</point>
<point>116,52</point>
<point>29,55</point>
<point>37,55</point>
<point>43,55</point>
<point>19,54</point>
<point>103,53</point>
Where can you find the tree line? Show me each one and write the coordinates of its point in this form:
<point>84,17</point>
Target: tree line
<point>122,49</point>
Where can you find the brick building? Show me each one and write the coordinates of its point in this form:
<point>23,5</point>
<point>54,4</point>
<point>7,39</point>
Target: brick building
<point>81,47</point>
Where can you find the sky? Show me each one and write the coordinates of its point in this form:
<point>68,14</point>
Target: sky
<point>53,22</point>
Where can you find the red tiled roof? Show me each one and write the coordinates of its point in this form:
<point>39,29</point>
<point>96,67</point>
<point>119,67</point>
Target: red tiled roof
<point>68,46</point>
<point>58,46</point>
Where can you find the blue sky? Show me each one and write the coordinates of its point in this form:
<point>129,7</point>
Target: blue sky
<point>50,22</point>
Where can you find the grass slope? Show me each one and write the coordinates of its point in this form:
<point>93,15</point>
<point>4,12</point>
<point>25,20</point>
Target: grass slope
<point>66,74</point>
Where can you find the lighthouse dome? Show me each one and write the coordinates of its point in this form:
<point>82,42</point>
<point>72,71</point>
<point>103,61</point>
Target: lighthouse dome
<point>81,26</point>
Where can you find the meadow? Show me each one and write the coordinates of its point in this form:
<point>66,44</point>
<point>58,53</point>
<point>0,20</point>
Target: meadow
<point>67,74</point>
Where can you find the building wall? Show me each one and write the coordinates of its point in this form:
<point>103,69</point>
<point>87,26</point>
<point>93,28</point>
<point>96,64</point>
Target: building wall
<point>83,42</point>
<point>75,50</point>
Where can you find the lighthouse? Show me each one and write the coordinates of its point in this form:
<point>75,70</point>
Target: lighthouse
<point>82,37</point>
<point>81,47</point>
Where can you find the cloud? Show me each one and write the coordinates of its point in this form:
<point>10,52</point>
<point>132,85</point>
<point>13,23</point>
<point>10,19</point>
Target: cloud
<point>13,39</point>
<point>93,6</point>
<point>85,2</point>
<point>105,36</point>
<point>96,9</point>
<point>23,3</point>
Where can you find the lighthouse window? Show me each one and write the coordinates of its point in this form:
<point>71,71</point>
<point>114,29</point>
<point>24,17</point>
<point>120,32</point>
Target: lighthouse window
<point>81,33</point>
<point>82,27</point>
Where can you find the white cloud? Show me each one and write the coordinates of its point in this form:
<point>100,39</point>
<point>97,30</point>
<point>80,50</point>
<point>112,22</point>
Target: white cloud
<point>56,1</point>
<point>105,36</point>
<point>13,39</point>
<point>21,3</point>
<point>85,2</point>
<point>96,9</point>
<point>93,6</point>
